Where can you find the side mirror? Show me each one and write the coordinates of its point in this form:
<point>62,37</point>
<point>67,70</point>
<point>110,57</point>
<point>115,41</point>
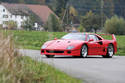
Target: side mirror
<point>55,38</point>
<point>91,40</point>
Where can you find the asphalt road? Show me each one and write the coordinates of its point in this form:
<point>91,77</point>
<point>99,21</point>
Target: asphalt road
<point>94,69</point>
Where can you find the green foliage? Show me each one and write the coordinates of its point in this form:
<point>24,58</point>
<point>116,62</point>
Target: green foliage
<point>39,72</point>
<point>115,25</point>
<point>53,24</point>
<point>28,24</point>
<point>81,28</point>
<point>11,24</point>
<point>24,69</point>
<point>59,6</point>
<point>21,1</point>
<point>91,21</point>
<point>73,13</point>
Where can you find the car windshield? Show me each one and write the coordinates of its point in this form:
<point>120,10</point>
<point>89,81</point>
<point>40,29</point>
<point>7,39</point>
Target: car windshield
<point>74,36</point>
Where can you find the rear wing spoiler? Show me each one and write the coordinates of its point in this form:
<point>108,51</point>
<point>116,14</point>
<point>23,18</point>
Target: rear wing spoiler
<point>113,36</point>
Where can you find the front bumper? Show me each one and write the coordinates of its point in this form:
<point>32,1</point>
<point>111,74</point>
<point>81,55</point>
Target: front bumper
<point>60,52</point>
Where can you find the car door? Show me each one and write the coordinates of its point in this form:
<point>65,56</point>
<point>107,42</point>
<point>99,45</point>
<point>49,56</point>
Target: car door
<point>93,46</point>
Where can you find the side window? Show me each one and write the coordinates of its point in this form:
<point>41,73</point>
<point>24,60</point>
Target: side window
<point>93,37</point>
<point>96,38</point>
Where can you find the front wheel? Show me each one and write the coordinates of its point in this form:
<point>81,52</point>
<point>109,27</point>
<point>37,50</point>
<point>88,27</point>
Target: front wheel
<point>110,51</point>
<point>49,56</point>
<point>84,51</point>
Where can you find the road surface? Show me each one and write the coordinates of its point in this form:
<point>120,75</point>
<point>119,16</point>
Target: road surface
<point>94,69</point>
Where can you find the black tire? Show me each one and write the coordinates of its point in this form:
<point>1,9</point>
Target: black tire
<point>110,51</point>
<point>84,51</point>
<point>50,56</point>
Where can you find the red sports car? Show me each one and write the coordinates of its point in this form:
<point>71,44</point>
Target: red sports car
<point>80,44</point>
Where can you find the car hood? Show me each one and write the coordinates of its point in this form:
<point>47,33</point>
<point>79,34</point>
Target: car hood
<point>63,44</point>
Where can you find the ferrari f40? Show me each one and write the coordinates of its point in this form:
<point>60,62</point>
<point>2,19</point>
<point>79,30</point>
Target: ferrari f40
<point>80,44</point>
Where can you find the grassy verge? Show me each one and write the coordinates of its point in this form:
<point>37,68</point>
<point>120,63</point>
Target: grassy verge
<point>40,72</point>
<point>25,70</point>
<point>34,39</point>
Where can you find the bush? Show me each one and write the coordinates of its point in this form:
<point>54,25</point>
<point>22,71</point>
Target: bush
<point>91,21</point>
<point>115,25</point>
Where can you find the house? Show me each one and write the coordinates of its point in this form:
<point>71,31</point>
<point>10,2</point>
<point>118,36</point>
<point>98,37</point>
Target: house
<point>20,13</point>
<point>14,13</point>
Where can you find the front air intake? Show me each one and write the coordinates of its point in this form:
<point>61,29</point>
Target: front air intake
<point>48,51</point>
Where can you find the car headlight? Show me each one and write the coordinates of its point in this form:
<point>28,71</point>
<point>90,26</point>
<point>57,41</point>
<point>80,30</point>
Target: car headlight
<point>70,47</point>
<point>43,47</point>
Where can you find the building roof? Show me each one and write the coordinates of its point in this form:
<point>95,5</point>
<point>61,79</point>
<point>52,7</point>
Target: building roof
<point>17,9</point>
<point>43,11</point>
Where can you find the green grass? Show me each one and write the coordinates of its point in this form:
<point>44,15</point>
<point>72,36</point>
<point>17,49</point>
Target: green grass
<point>35,39</point>
<point>121,45</point>
<point>39,72</point>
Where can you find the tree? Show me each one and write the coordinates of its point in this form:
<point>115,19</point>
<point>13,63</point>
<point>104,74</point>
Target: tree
<point>53,24</point>
<point>115,25</point>
<point>41,1</point>
<point>59,7</point>
<point>73,13</point>
<point>28,24</point>
<point>81,28</point>
<point>91,21</point>
<point>21,1</point>
<point>70,17</point>
<point>11,24</point>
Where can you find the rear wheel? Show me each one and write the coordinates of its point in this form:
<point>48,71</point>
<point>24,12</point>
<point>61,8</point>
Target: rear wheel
<point>84,51</point>
<point>110,51</point>
<point>49,56</point>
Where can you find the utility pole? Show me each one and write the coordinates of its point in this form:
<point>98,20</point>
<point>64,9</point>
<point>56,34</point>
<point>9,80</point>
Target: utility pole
<point>102,13</point>
<point>65,14</point>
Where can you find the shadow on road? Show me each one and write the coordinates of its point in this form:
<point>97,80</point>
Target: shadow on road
<point>71,57</point>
